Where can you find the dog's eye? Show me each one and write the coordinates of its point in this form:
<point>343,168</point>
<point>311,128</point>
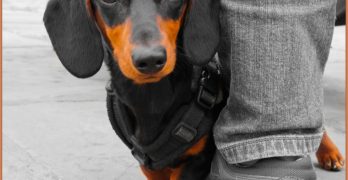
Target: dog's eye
<point>115,1</point>
<point>175,1</point>
<point>109,1</point>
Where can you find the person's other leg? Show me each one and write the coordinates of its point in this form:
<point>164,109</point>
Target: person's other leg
<point>274,52</point>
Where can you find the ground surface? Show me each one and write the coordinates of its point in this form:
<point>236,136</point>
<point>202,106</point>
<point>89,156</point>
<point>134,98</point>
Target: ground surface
<point>55,126</point>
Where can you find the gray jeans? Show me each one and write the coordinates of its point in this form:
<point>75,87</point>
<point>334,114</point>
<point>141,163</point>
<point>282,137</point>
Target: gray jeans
<point>273,53</point>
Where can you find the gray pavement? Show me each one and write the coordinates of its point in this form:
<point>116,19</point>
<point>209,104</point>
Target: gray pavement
<point>55,126</point>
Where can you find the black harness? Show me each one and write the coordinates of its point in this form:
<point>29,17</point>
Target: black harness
<point>188,125</point>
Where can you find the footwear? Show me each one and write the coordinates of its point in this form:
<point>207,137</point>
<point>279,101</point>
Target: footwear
<point>276,168</point>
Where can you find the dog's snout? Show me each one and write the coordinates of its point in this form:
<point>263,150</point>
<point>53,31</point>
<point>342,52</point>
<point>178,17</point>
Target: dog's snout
<point>149,60</point>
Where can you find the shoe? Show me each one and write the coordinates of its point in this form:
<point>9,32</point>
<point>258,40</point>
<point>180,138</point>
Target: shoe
<point>275,168</point>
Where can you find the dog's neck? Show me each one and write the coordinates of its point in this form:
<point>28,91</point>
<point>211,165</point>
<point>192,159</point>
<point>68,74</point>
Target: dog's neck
<point>151,106</point>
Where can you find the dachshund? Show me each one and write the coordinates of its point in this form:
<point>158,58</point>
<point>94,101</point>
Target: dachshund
<point>149,47</point>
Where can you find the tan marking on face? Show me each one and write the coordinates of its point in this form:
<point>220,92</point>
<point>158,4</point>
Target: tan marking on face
<point>119,38</point>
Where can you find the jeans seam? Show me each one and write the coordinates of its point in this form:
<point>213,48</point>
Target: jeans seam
<point>258,140</point>
<point>234,153</point>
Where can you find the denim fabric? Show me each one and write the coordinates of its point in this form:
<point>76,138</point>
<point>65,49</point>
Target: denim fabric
<point>265,169</point>
<point>274,53</point>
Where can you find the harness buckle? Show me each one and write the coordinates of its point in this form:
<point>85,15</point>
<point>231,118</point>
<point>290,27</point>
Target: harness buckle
<point>206,96</point>
<point>184,132</point>
<point>142,158</point>
<point>109,89</point>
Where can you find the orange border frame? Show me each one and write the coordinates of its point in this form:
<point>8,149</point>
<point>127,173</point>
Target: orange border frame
<point>1,88</point>
<point>1,93</point>
<point>346,94</point>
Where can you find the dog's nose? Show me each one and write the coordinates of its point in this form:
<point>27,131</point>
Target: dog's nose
<point>149,60</point>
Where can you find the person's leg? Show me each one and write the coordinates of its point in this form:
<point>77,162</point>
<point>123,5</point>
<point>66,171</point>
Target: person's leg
<point>274,52</point>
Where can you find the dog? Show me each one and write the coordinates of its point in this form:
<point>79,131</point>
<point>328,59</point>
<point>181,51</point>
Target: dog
<point>150,47</point>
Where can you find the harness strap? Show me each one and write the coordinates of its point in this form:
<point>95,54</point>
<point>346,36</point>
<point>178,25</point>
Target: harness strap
<point>186,130</point>
<point>118,121</point>
<point>188,125</point>
<point>191,128</point>
<point>113,118</point>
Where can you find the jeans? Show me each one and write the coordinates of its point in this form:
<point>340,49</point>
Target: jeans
<point>273,54</point>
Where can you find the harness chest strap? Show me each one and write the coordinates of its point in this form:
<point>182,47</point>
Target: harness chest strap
<point>189,124</point>
<point>169,145</point>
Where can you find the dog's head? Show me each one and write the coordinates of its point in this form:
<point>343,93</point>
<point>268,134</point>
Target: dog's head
<point>142,34</point>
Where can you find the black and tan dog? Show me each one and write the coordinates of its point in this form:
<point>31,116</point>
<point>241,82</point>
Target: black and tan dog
<point>149,47</point>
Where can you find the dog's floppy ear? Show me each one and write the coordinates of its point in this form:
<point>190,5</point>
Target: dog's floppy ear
<point>74,36</point>
<point>201,30</point>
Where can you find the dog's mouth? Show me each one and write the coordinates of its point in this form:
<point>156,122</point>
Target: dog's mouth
<point>147,79</point>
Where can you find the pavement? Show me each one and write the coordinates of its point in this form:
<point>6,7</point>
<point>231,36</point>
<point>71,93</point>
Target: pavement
<point>55,126</point>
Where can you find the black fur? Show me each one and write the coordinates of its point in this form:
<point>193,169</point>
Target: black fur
<point>201,30</point>
<point>113,13</point>
<point>151,107</point>
<point>198,166</point>
<point>150,104</point>
<point>77,43</point>
<point>74,36</point>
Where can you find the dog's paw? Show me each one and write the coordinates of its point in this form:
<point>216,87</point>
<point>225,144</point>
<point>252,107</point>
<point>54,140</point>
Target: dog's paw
<point>330,160</point>
<point>328,155</point>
